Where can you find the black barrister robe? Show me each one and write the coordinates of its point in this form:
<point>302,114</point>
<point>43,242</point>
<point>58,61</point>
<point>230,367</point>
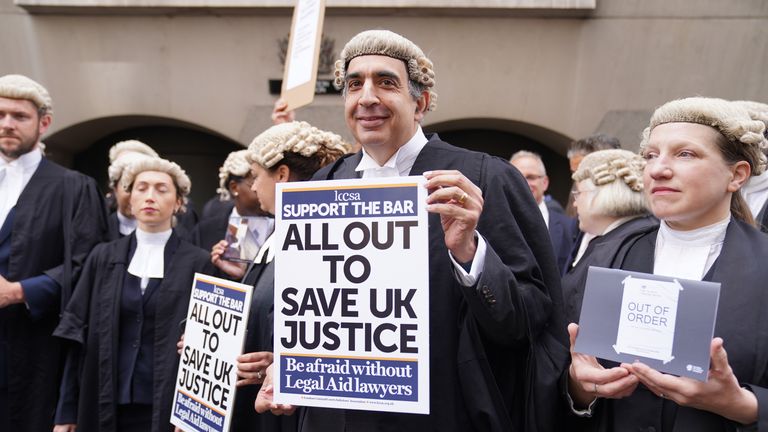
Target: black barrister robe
<point>91,321</point>
<point>480,335</point>
<point>601,252</point>
<point>259,337</point>
<point>211,231</point>
<point>58,206</point>
<point>741,321</point>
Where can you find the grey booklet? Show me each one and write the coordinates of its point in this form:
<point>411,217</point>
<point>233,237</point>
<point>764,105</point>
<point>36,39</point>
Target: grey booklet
<point>664,322</point>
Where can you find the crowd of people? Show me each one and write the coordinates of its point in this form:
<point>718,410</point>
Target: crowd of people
<point>94,291</point>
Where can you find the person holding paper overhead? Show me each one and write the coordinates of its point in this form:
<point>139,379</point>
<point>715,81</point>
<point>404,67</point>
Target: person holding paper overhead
<point>699,153</point>
<point>494,285</point>
<point>286,152</point>
<point>125,314</point>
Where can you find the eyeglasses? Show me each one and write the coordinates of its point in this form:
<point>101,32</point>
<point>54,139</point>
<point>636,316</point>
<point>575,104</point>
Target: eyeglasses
<point>533,177</point>
<point>576,193</point>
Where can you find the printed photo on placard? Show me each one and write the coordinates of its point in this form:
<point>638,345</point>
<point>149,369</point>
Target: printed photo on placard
<point>244,237</point>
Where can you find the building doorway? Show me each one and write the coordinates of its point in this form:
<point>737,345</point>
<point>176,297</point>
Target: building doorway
<point>502,138</point>
<point>200,152</point>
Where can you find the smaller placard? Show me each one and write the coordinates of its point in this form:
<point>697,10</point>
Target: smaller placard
<point>303,53</point>
<point>664,322</point>
<point>245,235</point>
<point>213,339</point>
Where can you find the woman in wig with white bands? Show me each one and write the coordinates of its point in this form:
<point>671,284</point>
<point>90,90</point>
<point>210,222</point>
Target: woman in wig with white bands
<point>122,154</point>
<point>287,152</point>
<point>699,153</point>
<point>125,314</point>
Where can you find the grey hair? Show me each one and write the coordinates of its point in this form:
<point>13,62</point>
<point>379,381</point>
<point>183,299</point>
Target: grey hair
<point>529,154</point>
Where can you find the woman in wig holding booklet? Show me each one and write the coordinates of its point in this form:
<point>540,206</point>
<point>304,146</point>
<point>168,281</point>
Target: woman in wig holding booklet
<point>699,153</point>
<point>124,317</point>
<point>287,152</point>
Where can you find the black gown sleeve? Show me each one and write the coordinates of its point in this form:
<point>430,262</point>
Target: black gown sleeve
<point>88,228</point>
<point>518,292</point>
<point>73,327</point>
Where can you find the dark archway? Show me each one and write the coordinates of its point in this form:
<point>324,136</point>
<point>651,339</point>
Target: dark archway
<point>200,152</point>
<point>502,138</point>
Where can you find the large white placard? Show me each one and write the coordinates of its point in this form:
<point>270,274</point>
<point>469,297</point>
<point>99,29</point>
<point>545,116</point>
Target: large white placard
<point>306,31</point>
<point>352,295</point>
<point>213,339</point>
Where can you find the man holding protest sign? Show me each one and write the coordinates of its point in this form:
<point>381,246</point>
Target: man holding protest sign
<point>495,294</point>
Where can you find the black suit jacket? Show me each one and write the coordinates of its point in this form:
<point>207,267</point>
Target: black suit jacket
<point>480,335</point>
<point>563,231</point>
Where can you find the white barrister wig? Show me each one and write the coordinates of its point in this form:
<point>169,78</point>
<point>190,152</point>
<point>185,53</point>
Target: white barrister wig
<point>390,44</point>
<point>237,164</point>
<point>606,166</point>
<point>728,118</point>
<point>617,176</point>
<point>130,146</point>
<point>21,87</point>
<point>116,168</point>
<point>757,110</point>
<point>298,137</point>
<point>180,178</point>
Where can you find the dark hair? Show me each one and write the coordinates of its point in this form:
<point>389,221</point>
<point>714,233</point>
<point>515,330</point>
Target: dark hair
<point>733,152</point>
<point>235,178</point>
<point>593,143</point>
<point>302,167</point>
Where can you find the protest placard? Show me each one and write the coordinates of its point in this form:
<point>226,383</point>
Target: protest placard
<point>303,51</point>
<point>213,338</point>
<point>352,295</point>
<point>664,322</point>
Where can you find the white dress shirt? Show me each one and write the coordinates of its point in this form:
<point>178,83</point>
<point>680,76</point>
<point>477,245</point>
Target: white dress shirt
<point>400,164</point>
<point>544,212</point>
<point>126,225</point>
<point>14,177</point>
<point>755,192</point>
